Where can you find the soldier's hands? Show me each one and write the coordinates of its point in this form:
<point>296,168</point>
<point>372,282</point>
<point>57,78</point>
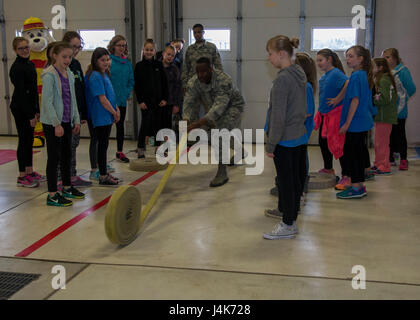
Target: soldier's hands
<point>270,155</point>
<point>143,106</point>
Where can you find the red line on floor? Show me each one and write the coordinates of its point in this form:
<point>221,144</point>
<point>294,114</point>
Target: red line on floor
<point>35,246</point>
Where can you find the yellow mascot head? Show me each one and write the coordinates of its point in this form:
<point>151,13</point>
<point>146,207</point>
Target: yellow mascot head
<point>39,37</point>
<point>37,34</point>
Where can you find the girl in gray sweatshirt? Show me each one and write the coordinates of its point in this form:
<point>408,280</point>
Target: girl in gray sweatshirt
<point>286,140</point>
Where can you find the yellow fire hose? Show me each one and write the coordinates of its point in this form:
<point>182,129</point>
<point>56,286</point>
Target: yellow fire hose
<point>123,219</point>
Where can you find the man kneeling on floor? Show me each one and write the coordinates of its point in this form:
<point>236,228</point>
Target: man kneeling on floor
<point>223,104</point>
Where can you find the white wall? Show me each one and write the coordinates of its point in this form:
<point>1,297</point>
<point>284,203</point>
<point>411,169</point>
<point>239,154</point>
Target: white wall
<point>398,26</point>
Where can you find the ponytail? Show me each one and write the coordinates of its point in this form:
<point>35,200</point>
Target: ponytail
<point>366,63</point>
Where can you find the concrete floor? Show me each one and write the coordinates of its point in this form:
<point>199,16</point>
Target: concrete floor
<point>202,243</point>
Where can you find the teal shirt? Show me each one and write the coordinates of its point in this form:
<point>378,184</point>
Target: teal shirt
<point>122,78</point>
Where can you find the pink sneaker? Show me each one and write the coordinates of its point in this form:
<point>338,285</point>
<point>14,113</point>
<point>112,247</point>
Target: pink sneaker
<point>343,184</point>
<point>79,182</point>
<point>27,182</point>
<point>330,171</point>
<point>37,177</point>
<point>404,165</point>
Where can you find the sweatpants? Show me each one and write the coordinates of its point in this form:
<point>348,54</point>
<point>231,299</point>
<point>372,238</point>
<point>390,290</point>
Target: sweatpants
<point>398,141</point>
<point>382,134</point>
<point>290,166</point>
<point>102,134</point>
<point>120,129</point>
<point>59,151</point>
<point>25,142</point>
<point>355,150</point>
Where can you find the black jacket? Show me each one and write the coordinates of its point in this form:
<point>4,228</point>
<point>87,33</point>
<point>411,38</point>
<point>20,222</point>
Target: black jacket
<point>150,82</point>
<point>174,85</point>
<point>79,86</point>
<point>25,99</point>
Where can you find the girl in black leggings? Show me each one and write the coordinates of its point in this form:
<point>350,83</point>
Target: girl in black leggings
<point>102,110</point>
<point>25,109</point>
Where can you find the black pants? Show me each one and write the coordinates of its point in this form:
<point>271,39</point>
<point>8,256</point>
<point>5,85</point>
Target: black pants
<point>327,156</point>
<point>366,156</point>
<point>291,174</point>
<point>93,146</point>
<point>59,151</point>
<point>120,129</point>
<point>25,142</point>
<point>355,150</point>
<point>149,124</point>
<point>102,134</point>
<point>398,141</point>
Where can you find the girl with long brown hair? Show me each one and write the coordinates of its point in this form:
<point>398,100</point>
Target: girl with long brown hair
<point>357,119</point>
<point>386,101</point>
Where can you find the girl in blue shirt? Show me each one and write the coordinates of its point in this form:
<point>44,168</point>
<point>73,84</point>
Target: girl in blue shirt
<point>122,78</point>
<point>332,88</point>
<point>357,119</point>
<point>308,65</point>
<point>102,108</point>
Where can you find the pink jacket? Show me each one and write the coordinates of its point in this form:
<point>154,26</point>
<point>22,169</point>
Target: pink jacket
<point>330,130</point>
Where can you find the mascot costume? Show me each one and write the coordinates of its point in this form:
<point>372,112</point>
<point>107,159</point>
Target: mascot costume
<point>39,37</point>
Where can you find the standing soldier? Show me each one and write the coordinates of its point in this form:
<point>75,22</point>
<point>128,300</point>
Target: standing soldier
<point>223,104</point>
<point>201,48</point>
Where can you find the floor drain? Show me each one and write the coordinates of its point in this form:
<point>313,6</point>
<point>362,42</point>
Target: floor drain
<point>10,283</point>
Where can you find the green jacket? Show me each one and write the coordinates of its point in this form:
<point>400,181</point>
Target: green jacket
<point>386,101</point>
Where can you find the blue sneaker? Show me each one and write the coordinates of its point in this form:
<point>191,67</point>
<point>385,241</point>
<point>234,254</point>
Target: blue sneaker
<point>383,173</point>
<point>352,193</point>
<point>94,175</point>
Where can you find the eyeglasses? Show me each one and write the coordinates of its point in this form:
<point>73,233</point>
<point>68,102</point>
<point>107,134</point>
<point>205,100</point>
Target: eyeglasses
<point>121,45</point>
<point>23,48</point>
<point>77,47</point>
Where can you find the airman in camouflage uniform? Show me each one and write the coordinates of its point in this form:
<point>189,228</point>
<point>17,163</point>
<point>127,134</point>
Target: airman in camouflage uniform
<point>223,104</point>
<point>201,48</point>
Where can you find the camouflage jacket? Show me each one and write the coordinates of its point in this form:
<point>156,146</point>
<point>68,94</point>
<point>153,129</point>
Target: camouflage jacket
<point>217,97</point>
<point>195,52</point>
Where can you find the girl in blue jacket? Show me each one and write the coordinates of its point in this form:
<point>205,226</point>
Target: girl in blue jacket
<point>122,79</point>
<point>405,89</point>
<point>60,119</point>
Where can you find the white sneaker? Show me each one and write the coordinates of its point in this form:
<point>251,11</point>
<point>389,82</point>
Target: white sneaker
<point>282,231</point>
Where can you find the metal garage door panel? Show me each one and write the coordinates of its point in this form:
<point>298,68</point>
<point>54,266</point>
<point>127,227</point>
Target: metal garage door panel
<point>215,9</point>
<point>257,32</point>
<point>271,8</point>
<point>328,8</point>
<point>255,115</point>
<point>96,10</point>
<point>257,80</point>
